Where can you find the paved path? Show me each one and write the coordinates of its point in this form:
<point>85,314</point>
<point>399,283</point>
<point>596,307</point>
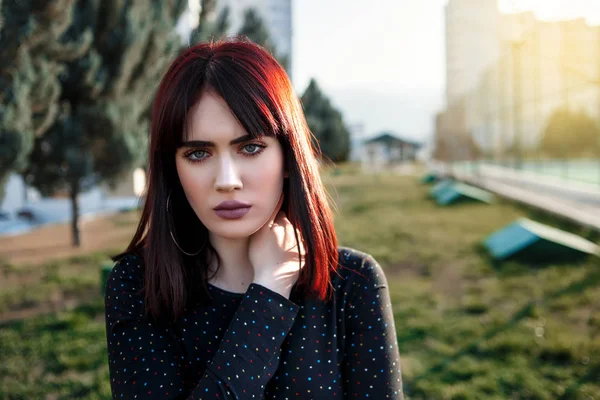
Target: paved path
<point>576,202</point>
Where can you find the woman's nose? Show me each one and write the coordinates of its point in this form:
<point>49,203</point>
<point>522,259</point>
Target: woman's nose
<point>228,177</point>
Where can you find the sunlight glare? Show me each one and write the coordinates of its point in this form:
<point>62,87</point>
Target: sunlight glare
<point>555,9</point>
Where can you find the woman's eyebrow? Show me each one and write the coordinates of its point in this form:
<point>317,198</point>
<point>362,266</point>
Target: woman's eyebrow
<point>202,143</point>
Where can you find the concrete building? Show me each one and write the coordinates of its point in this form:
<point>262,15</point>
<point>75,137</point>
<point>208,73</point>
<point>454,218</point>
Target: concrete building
<point>547,66</point>
<point>472,31</point>
<point>387,151</point>
<point>507,74</point>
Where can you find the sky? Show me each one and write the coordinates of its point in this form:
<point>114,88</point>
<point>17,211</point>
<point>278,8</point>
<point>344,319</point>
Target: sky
<point>383,65</point>
<point>556,9</point>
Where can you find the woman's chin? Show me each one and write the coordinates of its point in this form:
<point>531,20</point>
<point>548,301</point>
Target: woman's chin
<point>234,229</point>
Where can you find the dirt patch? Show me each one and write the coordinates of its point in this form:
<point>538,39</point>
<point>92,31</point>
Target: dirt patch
<point>26,269</point>
<point>58,302</point>
<point>448,280</point>
<point>406,269</point>
<point>54,241</point>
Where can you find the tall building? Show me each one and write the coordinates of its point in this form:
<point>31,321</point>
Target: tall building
<point>472,31</point>
<point>549,65</point>
<point>507,74</point>
<point>277,15</point>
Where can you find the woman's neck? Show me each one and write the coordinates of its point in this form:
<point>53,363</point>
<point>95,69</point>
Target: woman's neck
<point>235,272</point>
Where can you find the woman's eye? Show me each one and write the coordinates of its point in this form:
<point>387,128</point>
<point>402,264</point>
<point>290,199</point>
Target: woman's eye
<point>257,147</point>
<point>196,155</point>
<point>249,150</point>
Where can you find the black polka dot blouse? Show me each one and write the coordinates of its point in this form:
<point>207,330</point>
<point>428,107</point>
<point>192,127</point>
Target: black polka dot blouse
<point>258,344</point>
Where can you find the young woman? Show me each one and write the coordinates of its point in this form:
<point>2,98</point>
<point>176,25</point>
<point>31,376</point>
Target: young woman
<point>233,286</point>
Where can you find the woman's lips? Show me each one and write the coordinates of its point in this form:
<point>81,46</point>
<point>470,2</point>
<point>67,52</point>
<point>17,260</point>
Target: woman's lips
<point>234,213</point>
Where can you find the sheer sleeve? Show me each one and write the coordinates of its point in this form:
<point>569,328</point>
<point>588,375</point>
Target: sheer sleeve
<point>146,361</point>
<point>371,367</point>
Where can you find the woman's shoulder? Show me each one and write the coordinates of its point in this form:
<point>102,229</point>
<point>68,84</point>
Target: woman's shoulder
<point>127,267</point>
<point>360,267</point>
<point>129,259</point>
<point>123,298</point>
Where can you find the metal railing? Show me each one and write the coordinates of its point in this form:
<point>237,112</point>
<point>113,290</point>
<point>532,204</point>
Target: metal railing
<point>584,171</point>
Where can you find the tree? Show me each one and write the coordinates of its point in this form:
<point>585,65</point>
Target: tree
<point>442,147</point>
<point>255,29</point>
<point>100,123</point>
<point>210,26</point>
<point>571,134</point>
<point>32,57</point>
<point>455,146</point>
<point>326,123</point>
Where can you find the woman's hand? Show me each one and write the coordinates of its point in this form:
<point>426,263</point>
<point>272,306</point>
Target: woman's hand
<point>274,253</point>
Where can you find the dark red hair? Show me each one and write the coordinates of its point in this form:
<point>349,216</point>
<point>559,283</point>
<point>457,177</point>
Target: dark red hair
<point>260,95</point>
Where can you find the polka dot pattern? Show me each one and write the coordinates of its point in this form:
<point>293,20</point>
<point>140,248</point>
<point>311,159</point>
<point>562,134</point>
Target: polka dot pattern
<point>258,344</point>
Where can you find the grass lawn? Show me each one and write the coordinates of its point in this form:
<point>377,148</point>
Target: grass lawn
<point>467,328</point>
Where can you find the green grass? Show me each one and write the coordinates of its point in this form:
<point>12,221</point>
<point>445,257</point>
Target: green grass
<point>30,286</point>
<point>467,328</point>
<point>60,356</point>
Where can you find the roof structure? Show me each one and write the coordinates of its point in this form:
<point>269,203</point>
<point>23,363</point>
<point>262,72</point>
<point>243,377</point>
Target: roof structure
<point>390,139</point>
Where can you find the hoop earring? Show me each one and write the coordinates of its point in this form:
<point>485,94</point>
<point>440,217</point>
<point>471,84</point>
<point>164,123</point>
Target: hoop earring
<point>173,236</point>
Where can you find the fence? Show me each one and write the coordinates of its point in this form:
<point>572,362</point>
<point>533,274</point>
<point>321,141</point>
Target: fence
<point>585,171</point>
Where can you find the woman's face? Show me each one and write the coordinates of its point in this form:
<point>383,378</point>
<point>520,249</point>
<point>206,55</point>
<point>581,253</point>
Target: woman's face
<point>250,171</point>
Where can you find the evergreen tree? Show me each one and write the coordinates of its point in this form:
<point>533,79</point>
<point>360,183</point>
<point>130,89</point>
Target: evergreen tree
<point>255,29</point>
<point>326,124</point>
<point>32,57</point>
<point>571,134</point>
<point>442,147</point>
<point>104,61</point>
<point>210,25</point>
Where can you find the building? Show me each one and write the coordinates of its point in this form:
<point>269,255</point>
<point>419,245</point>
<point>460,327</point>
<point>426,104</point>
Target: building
<point>357,133</point>
<point>472,31</point>
<point>550,65</point>
<point>503,96</point>
<point>387,151</point>
<point>277,15</point>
